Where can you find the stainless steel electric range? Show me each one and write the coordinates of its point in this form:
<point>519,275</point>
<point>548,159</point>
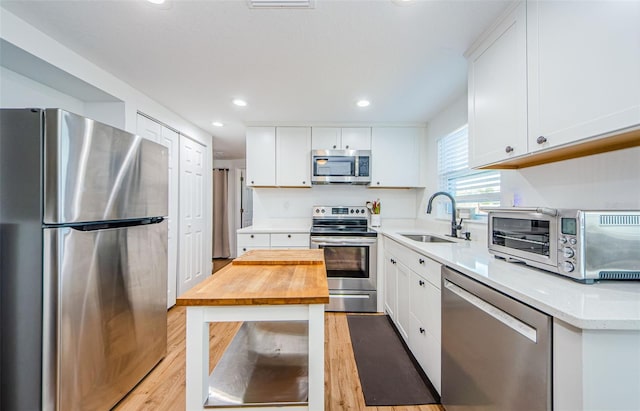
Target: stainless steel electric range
<point>350,253</point>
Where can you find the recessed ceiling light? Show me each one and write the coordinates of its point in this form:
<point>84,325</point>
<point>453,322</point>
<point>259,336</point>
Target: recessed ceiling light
<point>156,1</point>
<point>217,124</point>
<point>239,102</point>
<point>363,103</point>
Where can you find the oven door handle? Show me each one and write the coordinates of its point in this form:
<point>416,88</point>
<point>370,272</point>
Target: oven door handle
<point>342,240</point>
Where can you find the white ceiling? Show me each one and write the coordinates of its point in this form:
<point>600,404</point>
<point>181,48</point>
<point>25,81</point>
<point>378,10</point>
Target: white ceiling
<point>304,66</point>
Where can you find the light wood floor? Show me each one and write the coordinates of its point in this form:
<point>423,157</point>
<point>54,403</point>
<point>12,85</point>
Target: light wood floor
<point>163,388</point>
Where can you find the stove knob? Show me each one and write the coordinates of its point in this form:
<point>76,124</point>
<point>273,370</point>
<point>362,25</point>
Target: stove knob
<point>323,211</point>
<point>567,252</point>
<point>317,210</point>
<point>352,211</point>
<point>357,211</point>
<point>568,266</point>
<point>362,210</point>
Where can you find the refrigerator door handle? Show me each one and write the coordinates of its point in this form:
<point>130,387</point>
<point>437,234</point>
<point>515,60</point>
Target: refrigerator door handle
<point>117,224</point>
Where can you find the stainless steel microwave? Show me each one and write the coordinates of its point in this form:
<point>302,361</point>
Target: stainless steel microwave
<point>341,166</point>
<point>584,245</point>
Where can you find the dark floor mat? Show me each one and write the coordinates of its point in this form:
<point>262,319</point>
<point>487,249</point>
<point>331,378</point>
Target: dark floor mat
<point>387,373</point>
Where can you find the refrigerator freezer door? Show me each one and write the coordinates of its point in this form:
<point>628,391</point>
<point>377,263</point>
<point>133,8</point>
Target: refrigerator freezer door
<point>106,290</point>
<point>94,172</point>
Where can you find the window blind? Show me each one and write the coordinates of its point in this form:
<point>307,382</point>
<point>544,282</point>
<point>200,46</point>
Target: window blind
<point>471,188</point>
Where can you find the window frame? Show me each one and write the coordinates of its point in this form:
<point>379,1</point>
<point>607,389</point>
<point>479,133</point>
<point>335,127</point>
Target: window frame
<point>457,170</point>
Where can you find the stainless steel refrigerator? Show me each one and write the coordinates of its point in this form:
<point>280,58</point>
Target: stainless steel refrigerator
<point>83,260</point>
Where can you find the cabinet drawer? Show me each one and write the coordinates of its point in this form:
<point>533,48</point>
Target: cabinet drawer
<point>393,247</point>
<point>253,240</point>
<point>290,240</point>
<point>426,267</point>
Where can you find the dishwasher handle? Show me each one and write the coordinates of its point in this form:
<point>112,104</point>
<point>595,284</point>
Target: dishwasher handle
<point>498,314</point>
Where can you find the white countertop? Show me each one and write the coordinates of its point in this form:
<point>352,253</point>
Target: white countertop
<point>613,305</point>
<point>274,229</point>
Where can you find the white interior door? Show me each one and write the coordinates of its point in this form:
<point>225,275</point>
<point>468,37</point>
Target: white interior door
<point>192,219</point>
<point>171,140</point>
<point>154,131</point>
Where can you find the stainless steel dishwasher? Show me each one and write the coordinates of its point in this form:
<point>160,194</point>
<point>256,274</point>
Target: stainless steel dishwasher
<point>496,351</point>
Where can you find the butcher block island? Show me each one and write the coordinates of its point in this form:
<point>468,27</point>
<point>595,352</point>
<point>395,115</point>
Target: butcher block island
<point>276,359</point>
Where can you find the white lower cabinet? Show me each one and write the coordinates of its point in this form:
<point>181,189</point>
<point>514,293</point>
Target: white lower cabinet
<point>390,286</point>
<point>424,327</point>
<point>289,240</point>
<point>265,241</point>
<point>403,278</point>
<point>412,300</point>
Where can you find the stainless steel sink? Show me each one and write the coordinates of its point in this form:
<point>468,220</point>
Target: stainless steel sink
<point>426,238</point>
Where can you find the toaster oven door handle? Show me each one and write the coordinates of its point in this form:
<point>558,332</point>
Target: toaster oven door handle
<point>541,210</point>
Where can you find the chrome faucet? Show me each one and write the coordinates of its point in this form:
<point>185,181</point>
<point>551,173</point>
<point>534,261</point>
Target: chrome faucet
<point>454,225</point>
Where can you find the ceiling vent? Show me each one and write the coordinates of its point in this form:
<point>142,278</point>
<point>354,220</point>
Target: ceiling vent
<point>281,4</point>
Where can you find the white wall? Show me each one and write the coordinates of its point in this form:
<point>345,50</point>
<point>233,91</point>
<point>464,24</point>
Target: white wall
<point>240,163</point>
<point>18,91</point>
<point>447,121</point>
<point>603,181</point>
<point>59,57</point>
<point>293,206</point>
<point>35,42</point>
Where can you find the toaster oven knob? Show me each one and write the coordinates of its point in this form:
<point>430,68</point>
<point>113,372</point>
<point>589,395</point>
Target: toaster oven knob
<point>568,266</point>
<point>563,240</point>
<point>573,241</point>
<point>567,252</point>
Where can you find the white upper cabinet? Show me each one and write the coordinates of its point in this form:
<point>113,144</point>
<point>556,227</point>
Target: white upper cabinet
<point>279,156</point>
<point>325,138</point>
<point>550,74</point>
<point>336,138</point>
<point>498,92</point>
<point>293,156</point>
<point>584,69</point>
<point>395,156</point>
<point>356,138</point>
<point>261,156</point>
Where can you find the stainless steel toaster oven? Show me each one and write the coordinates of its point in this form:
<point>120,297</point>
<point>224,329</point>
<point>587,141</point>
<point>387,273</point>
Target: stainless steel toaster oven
<point>584,245</point>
